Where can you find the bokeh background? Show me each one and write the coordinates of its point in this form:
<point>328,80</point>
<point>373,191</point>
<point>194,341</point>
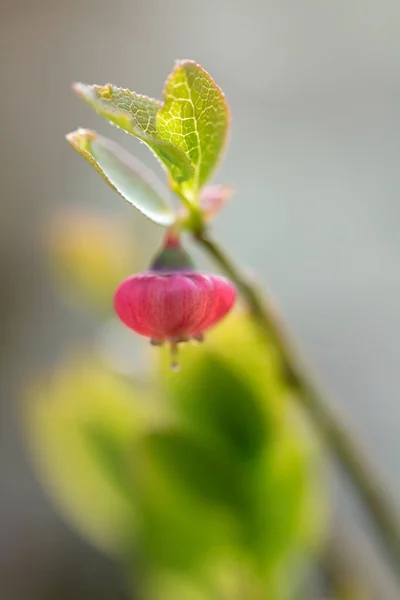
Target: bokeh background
<point>314,90</point>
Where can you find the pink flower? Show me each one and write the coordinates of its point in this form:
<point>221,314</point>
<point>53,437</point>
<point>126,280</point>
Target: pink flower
<point>170,303</point>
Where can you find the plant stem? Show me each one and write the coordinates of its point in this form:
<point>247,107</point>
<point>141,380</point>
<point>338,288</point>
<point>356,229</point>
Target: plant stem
<point>334,431</point>
<point>350,568</point>
<point>345,584</point>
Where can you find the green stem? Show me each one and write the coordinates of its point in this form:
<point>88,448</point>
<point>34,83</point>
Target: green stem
<point>335,432</point>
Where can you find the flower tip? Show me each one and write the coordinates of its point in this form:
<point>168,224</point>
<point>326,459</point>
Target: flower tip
<point>174,357</point>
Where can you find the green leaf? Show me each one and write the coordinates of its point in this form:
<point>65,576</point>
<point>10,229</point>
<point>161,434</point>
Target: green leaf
<point>164,585</point>
<point>195,118</point>
<point>136,114</point>
<point>197,467</point>
<point>190,500</point>
<point>80,429</point>
<point>230,392</point>
<point>229,387</point>
<point>125,174</point>
<point>222,402</point>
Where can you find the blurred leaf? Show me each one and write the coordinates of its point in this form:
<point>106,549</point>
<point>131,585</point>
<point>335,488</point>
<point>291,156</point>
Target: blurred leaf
<point>166,586</point>
<point>230,391</point>
<point>223,577</point>
<point>81,428</point>
<point>125,174</point>
<point>288,517</point>
<point>212,506</point>
<point>195,118</point>
<point>239,342</point>
<point>196,467</point>
<point>223,403</point>
<point>136,114</point>
<point>229,387</point>
<point>190,501</point>
<point>90,254</point>
<point>280,487</point>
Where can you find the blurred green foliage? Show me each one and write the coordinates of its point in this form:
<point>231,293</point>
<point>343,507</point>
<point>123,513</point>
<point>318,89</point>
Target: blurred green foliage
<point>81,425</point>
<point>89,254</point>
<point>207,482</point>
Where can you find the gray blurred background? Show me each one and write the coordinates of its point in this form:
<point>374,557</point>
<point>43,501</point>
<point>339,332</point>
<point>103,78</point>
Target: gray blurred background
<point>314,90</point>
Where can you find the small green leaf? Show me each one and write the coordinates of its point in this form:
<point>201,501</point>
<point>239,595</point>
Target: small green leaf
<point>136,114</point>
<point>125,174</point>
<point>195,118</point>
